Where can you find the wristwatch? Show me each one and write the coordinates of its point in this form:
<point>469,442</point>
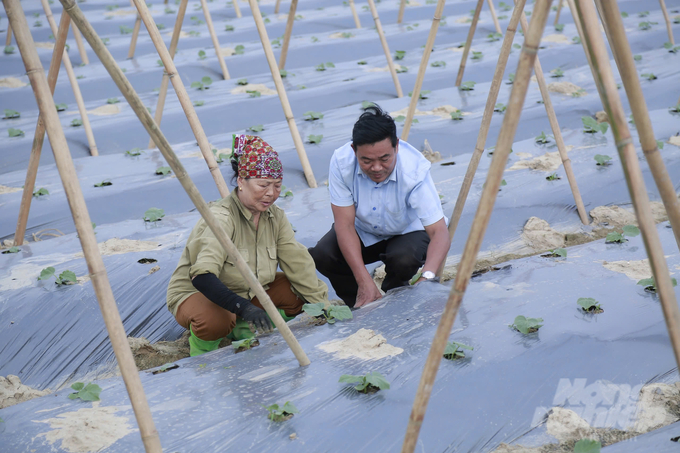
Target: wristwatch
<point>428,275</point>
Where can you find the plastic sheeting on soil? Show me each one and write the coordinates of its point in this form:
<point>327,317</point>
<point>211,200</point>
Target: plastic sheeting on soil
<point>214,401</point>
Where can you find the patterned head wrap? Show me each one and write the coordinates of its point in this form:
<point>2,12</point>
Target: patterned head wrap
<point>256,159</point>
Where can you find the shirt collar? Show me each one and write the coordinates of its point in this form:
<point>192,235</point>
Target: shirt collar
<point>245,212</point>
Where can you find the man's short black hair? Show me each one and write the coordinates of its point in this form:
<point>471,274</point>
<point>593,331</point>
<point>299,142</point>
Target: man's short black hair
<point>373,126</point>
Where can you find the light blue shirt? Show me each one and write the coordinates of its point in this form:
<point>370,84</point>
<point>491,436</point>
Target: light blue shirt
<point>406,201</point>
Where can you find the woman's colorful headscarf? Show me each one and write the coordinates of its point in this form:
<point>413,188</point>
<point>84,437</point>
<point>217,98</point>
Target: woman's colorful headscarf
<point>256,159</point>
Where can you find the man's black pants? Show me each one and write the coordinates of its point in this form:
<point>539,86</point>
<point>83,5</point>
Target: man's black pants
<point>402,255</point>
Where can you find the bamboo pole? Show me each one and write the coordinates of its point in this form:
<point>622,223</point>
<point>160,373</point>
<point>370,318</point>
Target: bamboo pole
<point>481,220</point>
<point>183,96</point>
<point>81,217</point>
<point>71,7</point>
<point>237,9</point>
<point>163,92</point>
<point>8,39</point>
<point>135,35</point>
<point>494,17</point>
<point>429,44</point>
<point>287,111</point>
<point>277,6</point>
<point>74,83</point>
<point>468,42</point>
<point>402,7</point>
<point>667,18</point>
<point>579,30</point>
<point>39,136</point>
<point>386,48</point>
<point>557,133</point>
<point>81,47</point>
<point>557,14</point>
<point>215,41</point>
<point>604,79</point>
<point>287,34</point>
<point>618,42</point>
<point>354,13</point>
<point>496,81</point>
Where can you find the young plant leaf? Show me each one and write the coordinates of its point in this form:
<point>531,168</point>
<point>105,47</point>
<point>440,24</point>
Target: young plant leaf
<point>542,139</point>
<point>313,309</point>
<point>589,304</point>
<point>438,64</point>
<point>457,115</point>
<point>614,237</point>
<point>256,128</point>
<point>163,171</point>
<point>315,139</point>
<point>527,325</point>
<point>631,230</point>
<point>134,152</point>
<point>454,350</point>
<point>40,192</point>
<point>104,183</point>
<point>201,55</point>
<point>76,122</point>
<point>66,278</point>
<point>500,108</point>
<point>367,104</point>
<point>11,114</point>
<point>650,284</point>
<point>12,249</point>
<point>242,82</point>
<point>49,272</point>
<point>112,101</point>
<point>312,116</point>
<point>15,132</point>
<point>340,312</point>
<point>153,215</point>
<point>423,94</point>
<point>399,54</point>
<point>602,159</point>
<point>467,86</point>
<point>649,76</point>
<point>587,446</point>
<point>89,392</point>
<point>552,177</point>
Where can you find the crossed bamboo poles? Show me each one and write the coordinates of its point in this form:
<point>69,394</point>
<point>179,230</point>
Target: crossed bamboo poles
<point>602,72</point>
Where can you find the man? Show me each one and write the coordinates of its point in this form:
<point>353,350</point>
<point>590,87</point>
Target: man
<point>386,208</point>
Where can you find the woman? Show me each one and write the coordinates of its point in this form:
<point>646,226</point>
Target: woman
<point>207,294</point>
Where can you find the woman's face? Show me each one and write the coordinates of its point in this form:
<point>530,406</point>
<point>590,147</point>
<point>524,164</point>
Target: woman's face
<point>258,194</point>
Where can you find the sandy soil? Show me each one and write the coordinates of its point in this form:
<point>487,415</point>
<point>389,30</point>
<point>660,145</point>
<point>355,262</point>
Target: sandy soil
<point>564,88</point>
<point>556,38</point>
<point>116,246</point>
<point>364,344</point>
<point>87,430</point>
<point>12,391</point>
<point>7,189</point>
<point>674,140</point>
<point>264,91</point>
<point>636,270</point>
<point>546,162</point>
<point>11,82</point>
<point>538,234</point>
<point>443,111</point>
<point>105,110</point>
<point>149,355</point>
<point>397,67</point>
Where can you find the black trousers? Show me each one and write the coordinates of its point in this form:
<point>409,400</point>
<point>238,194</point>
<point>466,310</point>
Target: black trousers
<point>402,255</point>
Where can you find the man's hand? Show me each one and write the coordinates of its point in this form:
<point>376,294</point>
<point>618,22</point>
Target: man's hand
<point>367,293</point>
<point>255,315</point>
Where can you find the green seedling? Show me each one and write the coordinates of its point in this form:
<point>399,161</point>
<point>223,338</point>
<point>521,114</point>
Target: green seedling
<point>438,64</point>
<point>527,325</point>
<point>245,344</point>
<point>650,284</point>
<point>646,25</point>
<point>256,128</point>
<point>112,101</point>
<point>399,54</point>
<point>134,152</point>
<point>314,39</point>
<point>194,33</point>
<point>516,46</point>
<point>8,50</point>
<point>578,93</point>
<point>281,414</point>
<point>315,139</point>
<point>13,249</point>
<point>160,26</point>
<point>659,144</point>
<point>76,122</point>
<point>159,63</point>
<point>125,30</point>
<point>285,192</point>
<point>228,27</point>
<point>104,183</point>
<point>153,215</point>
<point>401,118</point>
<point>602,160</point>
<point>219,157</point>
<point>643,14</point>
<point>500,108</point>
<point>11,114</point>
<point>457,115</point>
<point>542,139</point>
<point>331,314</point>
<point>494,37</point>
<point>576,40</point>
<point>559,28</point>
<point>401,68</point>
<point>556,253</point>
<point>368,383</point>
<point>637,57</point>
<point>61,107</point>
<point>503,183</point>
<point>242,82</point>
<point>590,305</point>
<point>204,84</point>
<point>199,103</point>
<point>423,94</point>
<point>347,35</point>
<point>195,20</point>
<point>629,231</point>
<point>40,192</point>
<point>163,171</point>
<point>283,73</point>
<point>675,109</point>
<point>254,93</point>
<point>591,126</point>
<point>367,104</point>
<point>312,116</point>
<point>169,10</point>
<point>89,392</point>
<point>362,62</point>
<point>15,132</point>
<point>65,278</point>
<point>556,73</point>
<point>587,446</point>
<point>201,55</point>
<point>467,86</point>
<point>649,76</point>
<point>511,78</point>
<point>504,6</point>
<point>477,55</point>
<point>454,350</point>
<point>552,177</point>
<point>239,50</point>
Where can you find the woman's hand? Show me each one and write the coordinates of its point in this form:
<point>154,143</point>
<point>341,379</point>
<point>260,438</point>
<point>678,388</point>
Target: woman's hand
<point>255,315</point>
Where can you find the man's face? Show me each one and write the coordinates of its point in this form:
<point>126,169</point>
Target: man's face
<point>378,159</point>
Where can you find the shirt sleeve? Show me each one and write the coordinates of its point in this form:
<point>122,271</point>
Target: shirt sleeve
<point>424,198</point>
<point>206,254</point>
<point>341,194</point>
<point>298,266</point>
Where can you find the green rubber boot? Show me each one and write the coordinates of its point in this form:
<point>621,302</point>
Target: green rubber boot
<point>198,346</point>
<point>283,315</point>
<point>241,331</point>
